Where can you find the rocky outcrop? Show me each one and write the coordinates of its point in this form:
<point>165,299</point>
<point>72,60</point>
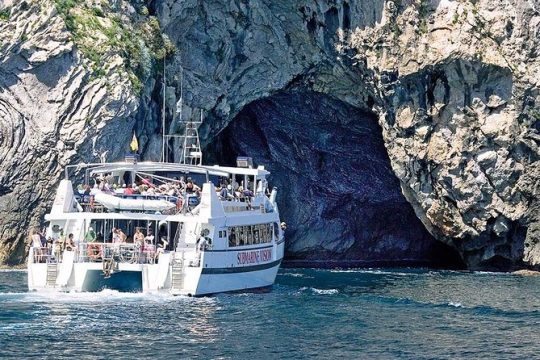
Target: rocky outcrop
<point>451,83</point>
<point>54,111</point>
<point>458,82</point>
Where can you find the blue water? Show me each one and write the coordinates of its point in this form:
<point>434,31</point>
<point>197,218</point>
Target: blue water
<point>326,314</point>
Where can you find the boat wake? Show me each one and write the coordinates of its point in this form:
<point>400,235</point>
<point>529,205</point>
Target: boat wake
<point>105,295</point>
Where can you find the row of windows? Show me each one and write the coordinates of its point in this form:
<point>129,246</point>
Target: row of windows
<point>249,235</point>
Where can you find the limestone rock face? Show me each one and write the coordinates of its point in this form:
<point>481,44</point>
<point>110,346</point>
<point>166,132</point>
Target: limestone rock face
<point>53,113</point>
<point>459,88</point>
<point>452,84</point>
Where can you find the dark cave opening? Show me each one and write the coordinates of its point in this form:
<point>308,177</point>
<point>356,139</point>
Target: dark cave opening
<point>336,189</point>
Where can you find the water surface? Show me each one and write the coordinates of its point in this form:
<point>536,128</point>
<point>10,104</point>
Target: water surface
<point>326,314</point>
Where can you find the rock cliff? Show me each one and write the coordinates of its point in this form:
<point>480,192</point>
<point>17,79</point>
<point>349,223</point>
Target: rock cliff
<point>451,84</point>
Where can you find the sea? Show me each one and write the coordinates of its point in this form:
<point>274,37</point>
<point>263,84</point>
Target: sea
<point>308,314</point>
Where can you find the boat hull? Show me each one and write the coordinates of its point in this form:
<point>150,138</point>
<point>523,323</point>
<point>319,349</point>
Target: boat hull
<point>149,278</point>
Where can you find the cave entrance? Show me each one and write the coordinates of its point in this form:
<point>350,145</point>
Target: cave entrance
<point>336,189</point>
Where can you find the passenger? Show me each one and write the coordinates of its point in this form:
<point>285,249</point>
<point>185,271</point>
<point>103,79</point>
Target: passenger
<point>123,236</point>
<point>58,246</point>
<point>70,243</point>
<point>230,193</point>
<point>240,193</point>
<point>138,237</point>
<point>223,194</point>
<point>80,189</point>
<point>190,188</point>
<point>109,178</point>
<point>90,235</point>
<point>201,244</point>
<point>147,181</point>
<point>129,190</point>
<point>43,238</point>
<point>149,239</point>
<point>36,244</point>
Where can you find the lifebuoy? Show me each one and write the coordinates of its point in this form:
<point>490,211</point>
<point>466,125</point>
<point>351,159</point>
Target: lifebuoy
<point>94,251</point>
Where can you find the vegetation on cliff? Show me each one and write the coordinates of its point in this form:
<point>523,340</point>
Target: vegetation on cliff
<point>105,34</point>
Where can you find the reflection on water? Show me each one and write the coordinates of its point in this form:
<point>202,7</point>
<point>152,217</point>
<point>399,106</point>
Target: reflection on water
<point>309,313</point>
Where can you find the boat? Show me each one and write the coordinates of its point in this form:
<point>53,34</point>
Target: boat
<point>148,227</point>
<point>194,243</point>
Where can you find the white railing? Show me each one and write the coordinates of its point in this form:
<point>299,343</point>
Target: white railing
<point>97,252</point>
<point>121,252</point>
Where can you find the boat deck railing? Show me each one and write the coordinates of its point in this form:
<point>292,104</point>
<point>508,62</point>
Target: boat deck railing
<point>97,252</point>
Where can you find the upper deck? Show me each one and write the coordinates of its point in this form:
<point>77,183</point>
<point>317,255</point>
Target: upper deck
<point>159,189</point>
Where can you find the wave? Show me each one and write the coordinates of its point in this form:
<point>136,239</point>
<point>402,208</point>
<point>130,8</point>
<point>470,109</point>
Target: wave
<point>12,270</point>
<point>320,291</point>
<point>293,274</point>
<point>94,297</point>
<point>374,271</point>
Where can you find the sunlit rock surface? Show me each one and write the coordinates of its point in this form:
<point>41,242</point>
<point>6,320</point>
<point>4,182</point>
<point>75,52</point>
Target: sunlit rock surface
<point>452,84</point>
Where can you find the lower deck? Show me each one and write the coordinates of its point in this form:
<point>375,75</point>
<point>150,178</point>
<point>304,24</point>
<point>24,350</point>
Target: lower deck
<point>187,272</point>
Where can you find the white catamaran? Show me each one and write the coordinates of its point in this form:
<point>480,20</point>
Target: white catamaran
<point>147,227</point>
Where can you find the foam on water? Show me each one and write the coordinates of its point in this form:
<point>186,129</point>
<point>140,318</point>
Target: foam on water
<point>104,296</point>
<point>324,291</point>
<point>373,271</point>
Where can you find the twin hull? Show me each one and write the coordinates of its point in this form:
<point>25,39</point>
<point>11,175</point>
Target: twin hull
<point>218,272</point>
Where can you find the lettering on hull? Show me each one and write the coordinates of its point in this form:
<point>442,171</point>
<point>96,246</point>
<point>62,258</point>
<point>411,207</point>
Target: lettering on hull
<point>254,256</point>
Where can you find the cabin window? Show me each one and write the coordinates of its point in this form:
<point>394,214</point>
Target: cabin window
<point>256,238</point>
<point>263,233</point>
<point>239,236</point>
<point>248,235</point>
<point>232,237</point>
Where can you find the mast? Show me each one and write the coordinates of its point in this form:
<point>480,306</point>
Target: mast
<point>163,159</point>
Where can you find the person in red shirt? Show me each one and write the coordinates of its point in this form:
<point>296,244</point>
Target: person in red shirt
<point>128,190</point>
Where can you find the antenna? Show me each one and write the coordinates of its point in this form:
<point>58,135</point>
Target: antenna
<point>163,159</point>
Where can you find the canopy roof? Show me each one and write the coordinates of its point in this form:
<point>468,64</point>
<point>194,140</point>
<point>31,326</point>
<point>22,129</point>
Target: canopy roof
<point>98,168</point>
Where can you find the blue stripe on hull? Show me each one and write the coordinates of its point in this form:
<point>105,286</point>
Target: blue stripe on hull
<point>123,281</point>
<point>240,269</point>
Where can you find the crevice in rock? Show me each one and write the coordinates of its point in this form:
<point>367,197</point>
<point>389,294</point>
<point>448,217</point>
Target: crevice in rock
<point>336,189</point>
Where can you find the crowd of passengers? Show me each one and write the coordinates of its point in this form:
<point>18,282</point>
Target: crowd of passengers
<point>178,187</point>
<point>53,246</point>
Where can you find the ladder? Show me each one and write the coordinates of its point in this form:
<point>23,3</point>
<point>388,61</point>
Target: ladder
<point>52,273</point>
<point>191,153</point>
<point>177,276</point>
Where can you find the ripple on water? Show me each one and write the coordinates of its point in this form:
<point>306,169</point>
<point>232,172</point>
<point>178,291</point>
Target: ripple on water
<point>373,313</point>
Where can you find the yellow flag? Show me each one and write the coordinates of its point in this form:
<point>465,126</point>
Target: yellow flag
<point>134,143</point>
